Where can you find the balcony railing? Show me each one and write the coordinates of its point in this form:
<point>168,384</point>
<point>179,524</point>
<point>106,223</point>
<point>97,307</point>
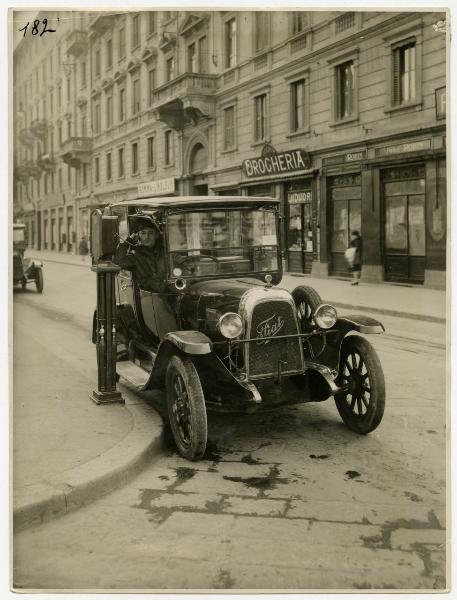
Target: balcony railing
<point>26,137</point>
<point>76,150</point>
<point>40,128</point>
<point>189,83</point>
<point>77,43</point>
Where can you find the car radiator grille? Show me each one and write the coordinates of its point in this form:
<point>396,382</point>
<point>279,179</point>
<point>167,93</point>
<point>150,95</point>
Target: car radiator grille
<point>268,356</point>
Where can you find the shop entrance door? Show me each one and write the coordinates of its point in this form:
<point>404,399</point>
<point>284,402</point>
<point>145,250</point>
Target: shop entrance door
<point>404,226</point>
<point>344,193</point>
<point>300,234</point>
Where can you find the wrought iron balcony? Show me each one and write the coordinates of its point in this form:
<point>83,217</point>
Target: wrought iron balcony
<point>76,150</point>
<point>46,162</point>
<point>40,128</point>
<point>27,137</point>
<point>77,43</point>
<point>33,169</point>
<point>187,98</point>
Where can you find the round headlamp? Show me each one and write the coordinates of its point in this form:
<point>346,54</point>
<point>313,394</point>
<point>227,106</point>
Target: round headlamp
<point>325,316</point>
<point>230,325</point>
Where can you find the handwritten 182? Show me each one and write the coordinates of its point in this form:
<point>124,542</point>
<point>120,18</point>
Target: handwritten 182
<point>35,28</point>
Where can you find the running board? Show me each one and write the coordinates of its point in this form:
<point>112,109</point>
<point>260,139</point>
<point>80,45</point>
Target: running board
<point>132,373</point>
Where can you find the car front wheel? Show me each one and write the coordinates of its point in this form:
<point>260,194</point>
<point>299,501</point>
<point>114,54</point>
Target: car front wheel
<point>361,405</point>
<point>186,408</point>
<point>39,281</point>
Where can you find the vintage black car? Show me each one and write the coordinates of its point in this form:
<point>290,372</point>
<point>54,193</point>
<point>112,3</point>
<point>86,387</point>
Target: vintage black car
<point>220,331</point>
<point>25,270</point>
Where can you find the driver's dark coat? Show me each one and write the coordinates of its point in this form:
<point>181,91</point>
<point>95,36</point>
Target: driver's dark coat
<point>147,263</point>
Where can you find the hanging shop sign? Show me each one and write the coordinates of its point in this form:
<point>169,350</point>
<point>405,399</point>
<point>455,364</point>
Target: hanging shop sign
<point>278,163</point>
<point>404,148</point>
<point>349,157</point>
<point>157,188</point>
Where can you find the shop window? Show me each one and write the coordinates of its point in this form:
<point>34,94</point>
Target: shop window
<point>262,25</point>
<point>260,118</point>
<point>134,158</point>
<point>229,128</point>
<point>230,41</point>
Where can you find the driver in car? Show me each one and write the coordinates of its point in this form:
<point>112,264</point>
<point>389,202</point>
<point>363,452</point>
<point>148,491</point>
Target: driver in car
<point>142,254</point>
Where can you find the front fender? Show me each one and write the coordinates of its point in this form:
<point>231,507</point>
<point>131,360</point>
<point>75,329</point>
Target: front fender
<point>360,323</point>
<point>190,342</point>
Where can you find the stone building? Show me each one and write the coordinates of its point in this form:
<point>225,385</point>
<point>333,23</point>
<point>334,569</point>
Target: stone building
<point>339,114</point>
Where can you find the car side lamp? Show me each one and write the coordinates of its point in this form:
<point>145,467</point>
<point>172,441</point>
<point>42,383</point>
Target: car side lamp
<point>104,230</point>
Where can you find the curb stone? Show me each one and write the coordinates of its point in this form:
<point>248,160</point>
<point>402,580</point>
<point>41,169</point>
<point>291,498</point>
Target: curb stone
<point>74,488</point>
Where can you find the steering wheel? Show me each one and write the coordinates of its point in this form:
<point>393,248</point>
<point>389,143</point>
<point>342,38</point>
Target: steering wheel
<point>187,259</point>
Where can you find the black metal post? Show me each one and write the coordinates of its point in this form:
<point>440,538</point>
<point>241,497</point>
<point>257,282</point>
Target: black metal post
<point>106,334</point>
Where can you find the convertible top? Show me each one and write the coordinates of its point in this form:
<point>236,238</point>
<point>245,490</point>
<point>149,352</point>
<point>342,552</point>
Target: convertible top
<point>179,201</point>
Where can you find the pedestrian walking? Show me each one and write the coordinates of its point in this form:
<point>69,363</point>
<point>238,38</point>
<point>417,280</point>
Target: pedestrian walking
<point>354,257</point>
<point>83,247</point>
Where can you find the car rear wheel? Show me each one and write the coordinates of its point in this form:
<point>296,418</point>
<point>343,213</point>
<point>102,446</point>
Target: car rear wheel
<point>186,408</point>
<point>361,406</point>
<point>39,281</point>
<point>307,300</point>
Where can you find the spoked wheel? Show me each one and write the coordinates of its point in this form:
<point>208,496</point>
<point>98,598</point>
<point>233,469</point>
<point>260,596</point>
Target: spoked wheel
<point>361,406</point>
<point>186,408</point>
<point>307,300</point>
<point>39,281</point>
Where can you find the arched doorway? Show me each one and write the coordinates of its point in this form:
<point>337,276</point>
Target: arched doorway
<point>198,164</point>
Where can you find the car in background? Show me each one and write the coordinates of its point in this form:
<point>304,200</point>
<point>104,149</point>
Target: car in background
<point>25,270</point>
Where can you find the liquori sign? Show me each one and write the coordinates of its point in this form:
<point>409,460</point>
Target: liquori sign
<point>277,163</point>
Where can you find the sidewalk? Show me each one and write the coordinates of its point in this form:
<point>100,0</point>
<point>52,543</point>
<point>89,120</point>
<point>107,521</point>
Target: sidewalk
<point>68,451</point>
<point>413,302</point>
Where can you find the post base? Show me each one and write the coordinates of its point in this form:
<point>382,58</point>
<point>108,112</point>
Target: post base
<point>107,397</point>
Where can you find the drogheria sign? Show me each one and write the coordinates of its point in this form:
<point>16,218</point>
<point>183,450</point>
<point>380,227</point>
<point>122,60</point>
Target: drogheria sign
<point>274,164</point>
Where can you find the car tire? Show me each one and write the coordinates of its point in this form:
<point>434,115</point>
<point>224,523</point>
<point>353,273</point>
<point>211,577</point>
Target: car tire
<point>24,284</point>
<point>361,407</point>
<point>186,407</point>
<point>307,300</point>
<point>39,281</point>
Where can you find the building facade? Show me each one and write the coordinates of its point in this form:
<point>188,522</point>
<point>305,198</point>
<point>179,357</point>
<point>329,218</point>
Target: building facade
<point>339,114</point>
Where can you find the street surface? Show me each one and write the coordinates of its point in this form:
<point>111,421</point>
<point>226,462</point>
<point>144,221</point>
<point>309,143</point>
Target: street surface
<point>285,500</point>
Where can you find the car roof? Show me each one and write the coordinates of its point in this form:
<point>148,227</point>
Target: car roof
<point>179,201</point>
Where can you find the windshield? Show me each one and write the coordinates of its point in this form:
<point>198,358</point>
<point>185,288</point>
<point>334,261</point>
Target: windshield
<point>222,241</point>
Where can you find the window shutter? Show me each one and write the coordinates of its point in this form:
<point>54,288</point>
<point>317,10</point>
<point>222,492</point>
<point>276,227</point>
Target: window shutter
<point>396,76</point>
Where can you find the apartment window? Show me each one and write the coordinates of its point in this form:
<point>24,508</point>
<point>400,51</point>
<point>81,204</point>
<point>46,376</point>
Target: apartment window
<point>260,118</point>
<point>121,104</point>
<point>120,162</point>
<point>151,22</point>
<point>345,90</point>
<point>151,86</point>
<point>97,63</point>
<point>168,149</point>
<point>97,169</point>
<point>109,53</point>
<point>50,66</point>
<point>83,74</point>
<point>68,89</point>
<point>68,129</point>
<point>150,150</point>
<point>261,30</point>
<point>298,105</point>
<point>84,169</point>
<point>60,135</point>
<point>299,21</point>
<point>135,31</point>
<point>108,167</point>
<point>60,178</point>
<point>109,111</point>
<point>136,96</point>
<point>230,43</point>
<point>134,158</point>
<point>83,125</point>
<point>59,96</point>
<point>203,54</point>
<point>404,73</point>
<point>43,75</point>
<point>68,175</point>
<point>170,68</point>
<point>45,183</point>
<point>229,127</point>
<point>97,118</point>
<point>51,103</point>
<point>121,43</point>
<point>192,58</point>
